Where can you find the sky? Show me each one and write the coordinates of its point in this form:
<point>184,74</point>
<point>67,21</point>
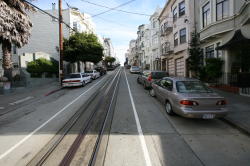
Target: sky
<point>120,27</point>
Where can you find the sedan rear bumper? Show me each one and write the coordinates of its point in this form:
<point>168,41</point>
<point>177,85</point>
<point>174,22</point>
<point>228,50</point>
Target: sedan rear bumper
<point>203,114</point>
<point>71,84</point>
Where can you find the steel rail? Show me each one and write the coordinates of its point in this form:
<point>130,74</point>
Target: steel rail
<point>43,155</point>
<point>76,144</point>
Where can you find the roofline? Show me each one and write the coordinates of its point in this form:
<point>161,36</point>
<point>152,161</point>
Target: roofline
<point>164,8</point>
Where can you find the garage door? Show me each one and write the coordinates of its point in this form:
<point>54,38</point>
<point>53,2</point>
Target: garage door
<point>170,67</point>
<point>179,67</point>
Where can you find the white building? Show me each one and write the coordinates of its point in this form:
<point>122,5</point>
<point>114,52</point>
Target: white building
<point>45,33</point>
<point>177,24</point>
<point>155,63</point>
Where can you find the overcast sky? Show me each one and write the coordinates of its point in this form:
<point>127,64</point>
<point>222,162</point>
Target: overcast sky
<point>120,27</point>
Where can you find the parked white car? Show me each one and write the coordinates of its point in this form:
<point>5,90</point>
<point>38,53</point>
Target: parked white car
<point>93,73</point>
<point>76,79</point>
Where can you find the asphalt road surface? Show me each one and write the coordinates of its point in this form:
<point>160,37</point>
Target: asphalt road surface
<point>141,132</point>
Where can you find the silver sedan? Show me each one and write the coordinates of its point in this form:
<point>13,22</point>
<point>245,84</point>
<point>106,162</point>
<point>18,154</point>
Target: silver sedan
<point>189,98</point>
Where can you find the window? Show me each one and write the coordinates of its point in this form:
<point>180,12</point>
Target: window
<point>209,51</point>
<point>205,15</point>
<point>176,39</point>
<point>75,26</point>
<point>218,52</point>
<point>165,25</point>
<point>222,9</point>
<point>183,36</point>
<point>14,49</point>
<point>175,14</point>
<point>182,8</point>
<point>167,84</point>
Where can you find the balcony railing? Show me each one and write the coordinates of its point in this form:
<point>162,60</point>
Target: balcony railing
<point>167,49</point>
<point>166,29</point>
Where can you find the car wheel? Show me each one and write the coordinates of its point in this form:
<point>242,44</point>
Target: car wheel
<point>83,83</point>
<point>145,86</point>
<point>138,81</point>
<point>168,108</point>
<point>152,92</point>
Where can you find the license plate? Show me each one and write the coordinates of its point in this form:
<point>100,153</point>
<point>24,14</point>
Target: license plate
<point>208,116</point>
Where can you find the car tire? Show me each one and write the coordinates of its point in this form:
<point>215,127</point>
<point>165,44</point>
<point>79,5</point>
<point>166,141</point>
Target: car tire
<point>138,81</point>
<point>152,92</point>
<point>90,80</point>
<point>168,108</point>
<point>145,86</point>
<point>83,83</point>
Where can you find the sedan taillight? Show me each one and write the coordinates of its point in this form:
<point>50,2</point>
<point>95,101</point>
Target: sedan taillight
<point>221,102</point>
<point>189,102</point>
<point>149,77</point>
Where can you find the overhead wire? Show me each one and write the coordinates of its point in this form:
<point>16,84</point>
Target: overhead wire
<point>54,17</point>
<point>129,12</point>
<point>114,8</point>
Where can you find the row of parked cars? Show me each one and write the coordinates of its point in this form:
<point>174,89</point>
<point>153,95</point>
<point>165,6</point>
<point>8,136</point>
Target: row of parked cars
<point>81,79</point>
<point>186,97</point>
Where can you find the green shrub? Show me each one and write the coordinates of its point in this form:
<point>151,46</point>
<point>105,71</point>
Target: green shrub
<point>42,65</point>
<point>213,69</point>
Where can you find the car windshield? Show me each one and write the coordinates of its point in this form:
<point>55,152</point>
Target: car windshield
<point>192,87</point>
<point>159,75</point>
<point>74,76</point>
<point>88,71</point>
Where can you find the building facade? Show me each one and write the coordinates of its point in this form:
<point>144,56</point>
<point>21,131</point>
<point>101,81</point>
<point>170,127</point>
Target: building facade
<point>177,23</point>
<point>155,59</point>
<point>45,35</point>
<point>224,28</point>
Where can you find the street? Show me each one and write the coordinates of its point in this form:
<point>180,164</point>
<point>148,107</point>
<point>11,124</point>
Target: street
<point>139,133</point>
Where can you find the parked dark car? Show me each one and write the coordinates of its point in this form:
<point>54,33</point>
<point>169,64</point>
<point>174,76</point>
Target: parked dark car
<point>147,77</point>
<point>110,68</point>
<point>101,70</point>
<point>189,98</point>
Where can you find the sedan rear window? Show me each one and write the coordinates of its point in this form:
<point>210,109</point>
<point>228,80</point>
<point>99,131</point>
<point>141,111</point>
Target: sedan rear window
<point>74,76</point>
<point>192,87</point>
<point>159,75</point>
<point>135,67</point>
<point>88,71</point>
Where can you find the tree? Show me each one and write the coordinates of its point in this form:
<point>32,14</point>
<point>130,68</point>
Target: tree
<point>195,60</point>
<point>109,59</point>
<point>82,47</point>
<point>14,29</point>
<point>213,69</point>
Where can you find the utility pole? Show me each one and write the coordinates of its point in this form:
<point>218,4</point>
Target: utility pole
<point>60,42</point>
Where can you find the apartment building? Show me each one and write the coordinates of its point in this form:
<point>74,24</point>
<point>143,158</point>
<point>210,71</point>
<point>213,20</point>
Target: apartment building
<point>155,58</point>
<point>177,22</point>
<point>224,28</point>
<point>132,58</point>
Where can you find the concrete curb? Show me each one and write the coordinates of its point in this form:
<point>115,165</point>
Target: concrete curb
<point>53,91</point>
<point>240,127</point>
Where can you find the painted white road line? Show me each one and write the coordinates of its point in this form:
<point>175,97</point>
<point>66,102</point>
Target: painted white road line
<point>45,123</point>
<point>139,129</point>
<point>22,100</point>
<point>1,108</point>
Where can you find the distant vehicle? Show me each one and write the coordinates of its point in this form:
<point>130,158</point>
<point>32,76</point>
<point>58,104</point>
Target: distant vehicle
<point>101,70</point>
<point>110,68</point>
<point>93,73</point>
<point>189,98</point>
<point>135,69</point>
<point>76,79</point>
<point>128,66</point>
<point>147,77</point>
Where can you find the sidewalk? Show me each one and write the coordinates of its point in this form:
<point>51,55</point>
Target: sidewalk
<point>21,95</point>
<point>239,107</point>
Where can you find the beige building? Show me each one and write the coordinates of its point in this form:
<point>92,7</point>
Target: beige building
<point>177,24</point>
<point>224,28</point>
